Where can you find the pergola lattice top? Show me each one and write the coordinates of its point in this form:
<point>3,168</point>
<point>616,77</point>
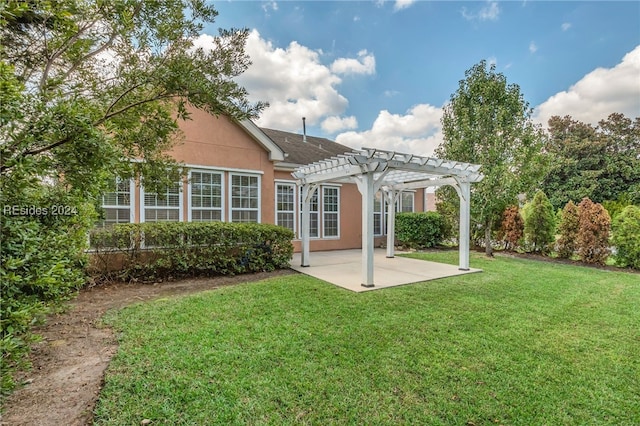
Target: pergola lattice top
<point>400,170</point>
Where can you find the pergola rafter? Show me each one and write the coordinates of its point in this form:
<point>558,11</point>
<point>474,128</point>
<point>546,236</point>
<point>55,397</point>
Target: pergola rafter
<point>392,172</point>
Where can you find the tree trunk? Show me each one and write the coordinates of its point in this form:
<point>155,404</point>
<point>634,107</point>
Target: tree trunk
<point>488,249</point>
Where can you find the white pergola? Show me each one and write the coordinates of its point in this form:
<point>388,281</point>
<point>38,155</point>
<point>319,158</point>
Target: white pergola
<point>374,170</point>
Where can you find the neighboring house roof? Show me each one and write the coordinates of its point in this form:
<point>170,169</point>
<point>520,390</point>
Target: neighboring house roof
<point>298,152</point>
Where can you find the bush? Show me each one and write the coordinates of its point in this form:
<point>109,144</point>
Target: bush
<point>512,228</point>
<point>43,240</point>
<point>420,230</point>
<point>626,237</point>
<point>151,251</point>
<point>539,223</point>
<point>568,228</point>
<point>593,234</point>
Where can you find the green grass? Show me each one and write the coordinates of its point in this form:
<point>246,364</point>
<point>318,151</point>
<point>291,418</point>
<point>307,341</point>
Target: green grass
<point>523,343</point>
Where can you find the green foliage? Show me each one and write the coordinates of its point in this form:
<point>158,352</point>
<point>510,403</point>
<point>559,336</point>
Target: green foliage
<point>488,122</point>
<point>420,230</point>
<point>568,227</point>
<point>511,228</point>
<point>93,84</point>
<point>626,237</point>
<point>43,239</point>
<point>615,207</point>
<point>592,242</point>
<point>150,251</point>
<point>600,163</point>
<point>539,224</point>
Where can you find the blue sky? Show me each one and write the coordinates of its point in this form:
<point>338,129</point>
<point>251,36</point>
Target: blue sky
<point>373,73</point>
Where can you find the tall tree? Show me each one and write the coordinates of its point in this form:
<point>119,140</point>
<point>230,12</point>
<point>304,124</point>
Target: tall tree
<point>102,82</point>
<point>539,223</point>
<point>488,122</point>
<point>601,163</point>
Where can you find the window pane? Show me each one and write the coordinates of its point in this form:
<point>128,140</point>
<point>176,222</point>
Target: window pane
<point>245,198</point>
<point>206,196</point>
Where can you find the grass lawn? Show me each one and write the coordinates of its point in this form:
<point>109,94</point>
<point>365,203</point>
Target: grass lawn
<point>523,343</point>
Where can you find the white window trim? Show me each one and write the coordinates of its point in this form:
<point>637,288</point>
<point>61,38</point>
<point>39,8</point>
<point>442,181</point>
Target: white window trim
<point>180,207</point>
<point>132,200</point>
<point>295,202</point>
<point>322,212</point>
<point>225,169</point>
<point>230,195</point>
<point>222,195</point>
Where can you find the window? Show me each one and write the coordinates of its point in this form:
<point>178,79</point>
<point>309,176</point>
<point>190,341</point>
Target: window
<point>313,214</point>
<point>117,203</point>
<point>206,196</point>
<point>245,198</point>
<point>406,202</point>
<point>163,207</point>
<point>285,205</point>
<point>330,211</point>
<point>378,207</point>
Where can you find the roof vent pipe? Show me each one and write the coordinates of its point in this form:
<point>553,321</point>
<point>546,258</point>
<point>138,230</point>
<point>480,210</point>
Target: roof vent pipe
<point>304,130</point>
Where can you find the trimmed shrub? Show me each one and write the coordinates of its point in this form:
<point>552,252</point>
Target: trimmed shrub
<point>593,235</point>
<point>539,224</point>
<point>568,228</point>
<point>512,228</point>
<point>151,251</point>
<point>626,237</point>
<point>43,237</point>
<point>420,230</point>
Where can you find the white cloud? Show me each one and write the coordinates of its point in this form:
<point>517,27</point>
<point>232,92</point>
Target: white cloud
<point>297,84</point>
<point>365,64</point>
<point>418,131</point>
<point>269,5</point>
<point>565,26</point>
<point>533,48</point>
<point>598,94</point>
<point>402,4</point>
<point>489,12</point>
<point>391,93</point>
<point>335,124</point>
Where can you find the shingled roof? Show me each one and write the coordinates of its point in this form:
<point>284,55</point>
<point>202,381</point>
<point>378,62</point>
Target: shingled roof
<point>302,153</point>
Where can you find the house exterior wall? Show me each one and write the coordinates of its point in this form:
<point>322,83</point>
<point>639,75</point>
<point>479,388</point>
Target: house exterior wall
<point>217,142</point>
<point>219,145</point>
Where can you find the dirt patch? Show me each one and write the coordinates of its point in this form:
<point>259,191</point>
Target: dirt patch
<point>69,362</point>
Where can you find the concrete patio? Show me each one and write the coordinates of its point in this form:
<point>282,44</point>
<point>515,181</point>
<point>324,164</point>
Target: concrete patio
<point>344,269</point>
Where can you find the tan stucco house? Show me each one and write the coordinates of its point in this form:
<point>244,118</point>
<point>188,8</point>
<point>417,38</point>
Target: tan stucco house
<point>238,172</point>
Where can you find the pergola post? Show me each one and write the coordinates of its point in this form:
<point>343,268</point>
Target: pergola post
<point>464,192</point>
<point>365,184</point>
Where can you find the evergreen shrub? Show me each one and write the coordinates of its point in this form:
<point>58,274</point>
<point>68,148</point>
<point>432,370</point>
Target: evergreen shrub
<point>420,230</point>
<point>165,250</point>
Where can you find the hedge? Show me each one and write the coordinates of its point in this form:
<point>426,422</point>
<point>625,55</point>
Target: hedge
<point>420,230</point>
<point>166,250</point>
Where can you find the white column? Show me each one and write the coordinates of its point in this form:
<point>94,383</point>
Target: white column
<point>366,187</point>
<point>465,218</point>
